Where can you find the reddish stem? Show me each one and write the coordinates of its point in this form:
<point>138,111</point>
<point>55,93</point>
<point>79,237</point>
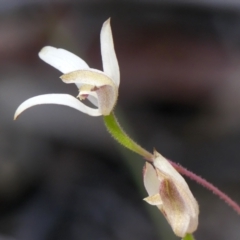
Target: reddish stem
<point>207,185</point>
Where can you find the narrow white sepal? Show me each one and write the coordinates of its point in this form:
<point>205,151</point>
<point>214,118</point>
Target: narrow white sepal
<point>62,60</point>
<point>109,59</point>
<point>60,99</point>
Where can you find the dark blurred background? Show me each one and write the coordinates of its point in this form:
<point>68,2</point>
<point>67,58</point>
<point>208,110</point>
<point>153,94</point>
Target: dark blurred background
<point>62,176</point>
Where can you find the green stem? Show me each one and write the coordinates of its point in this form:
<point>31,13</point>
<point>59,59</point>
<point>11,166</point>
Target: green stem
<point>188,237</point>
<point>118,133</point>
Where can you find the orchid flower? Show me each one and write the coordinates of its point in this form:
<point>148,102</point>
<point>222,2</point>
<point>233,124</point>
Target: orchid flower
<point>168,191</point>
<point>165,186</point>
<point>99,87</point>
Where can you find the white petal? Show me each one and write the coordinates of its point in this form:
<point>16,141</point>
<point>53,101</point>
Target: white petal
<point>109,59</point>
<point>61,99</point>
<point>62,60</point>
<point>150,179</point>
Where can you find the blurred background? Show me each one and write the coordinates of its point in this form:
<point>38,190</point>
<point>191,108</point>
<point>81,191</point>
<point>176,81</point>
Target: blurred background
<point>62,176</point>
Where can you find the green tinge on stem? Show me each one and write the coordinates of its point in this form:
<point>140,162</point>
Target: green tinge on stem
<point>188,237</point>
<point>118,133</point>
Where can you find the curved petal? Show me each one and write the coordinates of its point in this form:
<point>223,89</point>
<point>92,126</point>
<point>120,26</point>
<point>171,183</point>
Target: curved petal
<point>109,59</point>
<point>61,99</point>
<point>91,77</point>
<point>62,60</point>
